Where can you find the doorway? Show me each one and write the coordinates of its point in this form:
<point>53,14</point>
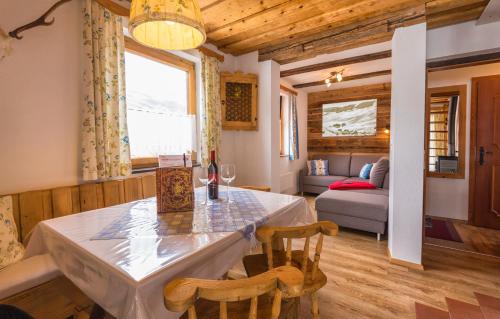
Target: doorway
<point>484,181</point>
<point>462,185</point>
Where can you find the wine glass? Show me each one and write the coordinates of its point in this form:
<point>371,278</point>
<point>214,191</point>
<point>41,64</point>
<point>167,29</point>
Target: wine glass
<point>204,179</point>
<point>228,174</point>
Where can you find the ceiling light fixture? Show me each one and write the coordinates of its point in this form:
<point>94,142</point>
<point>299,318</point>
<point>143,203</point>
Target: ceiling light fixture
<point>334,76</point>
<point>167,24</point>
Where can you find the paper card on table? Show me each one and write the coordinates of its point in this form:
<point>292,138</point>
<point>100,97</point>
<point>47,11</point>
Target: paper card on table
<point>174,161</point>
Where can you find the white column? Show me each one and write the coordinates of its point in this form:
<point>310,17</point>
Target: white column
<point>269,98</point>
<point>407,143</point>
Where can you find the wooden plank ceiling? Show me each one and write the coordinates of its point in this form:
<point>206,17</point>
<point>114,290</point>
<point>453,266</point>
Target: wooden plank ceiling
<point>292,30</point>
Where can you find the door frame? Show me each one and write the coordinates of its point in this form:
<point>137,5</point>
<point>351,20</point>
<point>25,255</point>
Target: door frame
<point>473,145</point>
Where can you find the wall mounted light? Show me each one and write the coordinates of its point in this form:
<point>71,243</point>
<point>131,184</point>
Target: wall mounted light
<point>387,129</point>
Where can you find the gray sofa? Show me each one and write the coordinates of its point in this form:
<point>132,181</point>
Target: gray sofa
<point>359,209</point>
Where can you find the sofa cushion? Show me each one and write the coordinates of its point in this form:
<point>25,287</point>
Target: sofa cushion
<point>358,160</point>
<point>26,274</point>
<point>367,204</point>
<point>317,167</point>
<point>322,180</point>
<point>338,164</point>
<point>11,250</point>
<point>386,181</point>
<point>378,172</point>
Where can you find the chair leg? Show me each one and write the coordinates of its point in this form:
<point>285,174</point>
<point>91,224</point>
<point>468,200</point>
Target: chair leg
<point>314,305</point>
<point>378,236</point>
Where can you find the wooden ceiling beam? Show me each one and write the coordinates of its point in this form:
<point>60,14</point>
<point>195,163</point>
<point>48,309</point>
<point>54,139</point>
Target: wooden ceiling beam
<point>438,6</point>
<point>312,15</point>
<point>346,78</point>
<point>454,62</point>
<point>356,13</point>
<point>225,14</point>
<point>456,15</point>
<point>373,30</point>
<point>341,62</point>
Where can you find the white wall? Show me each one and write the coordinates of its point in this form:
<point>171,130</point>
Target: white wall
<point>449,197</point>
<point>407,143</point>
<point>39,98</point>
<point>462,38</point>
<point>256,153</point>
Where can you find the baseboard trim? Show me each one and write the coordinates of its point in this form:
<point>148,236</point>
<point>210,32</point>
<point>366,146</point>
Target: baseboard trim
<point>404,263</point>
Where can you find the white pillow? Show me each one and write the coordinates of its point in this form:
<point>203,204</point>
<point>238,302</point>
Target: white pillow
<point>11,250</point>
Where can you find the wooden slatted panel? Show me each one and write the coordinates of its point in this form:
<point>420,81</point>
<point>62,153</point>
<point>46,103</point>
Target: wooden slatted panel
<point>34,207</point>
<point>149,185</point>
<point>132,189</point>
<point>62,201</point>
<point>113,193</point>
<point>75,198</point>
<point>91,197</point>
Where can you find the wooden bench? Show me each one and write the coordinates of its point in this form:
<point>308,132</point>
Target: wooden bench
<point>35,284</point>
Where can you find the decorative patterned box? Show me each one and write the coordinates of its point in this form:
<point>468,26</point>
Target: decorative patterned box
<point>174,189</point>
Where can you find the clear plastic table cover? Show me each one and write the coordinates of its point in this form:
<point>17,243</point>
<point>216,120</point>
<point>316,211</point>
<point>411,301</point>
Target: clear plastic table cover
<point>126,276</point>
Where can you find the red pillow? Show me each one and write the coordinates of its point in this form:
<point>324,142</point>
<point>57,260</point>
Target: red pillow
<point>342,185</point>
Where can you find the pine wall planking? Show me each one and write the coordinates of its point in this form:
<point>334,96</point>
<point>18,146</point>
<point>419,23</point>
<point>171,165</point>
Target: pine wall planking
<point>379,143</point>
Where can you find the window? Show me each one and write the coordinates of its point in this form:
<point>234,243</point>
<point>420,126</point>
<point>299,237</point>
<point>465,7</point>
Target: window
<point>161,112</point>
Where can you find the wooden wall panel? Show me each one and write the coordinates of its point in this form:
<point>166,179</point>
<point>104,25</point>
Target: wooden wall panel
<point>34,207</point>
<point>132,188</point>
<point>149,185</point>
<point>91,197</point>
<point>379,143</point>
<point>62,201</point>
<point>113,193</point>
<point>29,208</point>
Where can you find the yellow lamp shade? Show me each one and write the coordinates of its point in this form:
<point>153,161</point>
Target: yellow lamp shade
<point>167,24</point>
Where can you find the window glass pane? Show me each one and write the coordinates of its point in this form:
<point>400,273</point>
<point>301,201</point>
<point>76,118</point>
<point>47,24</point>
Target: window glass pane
<point>157,98</point>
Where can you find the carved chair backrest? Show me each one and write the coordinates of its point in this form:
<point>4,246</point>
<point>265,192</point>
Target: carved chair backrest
<point>272,239</point>
<point>181,295</point>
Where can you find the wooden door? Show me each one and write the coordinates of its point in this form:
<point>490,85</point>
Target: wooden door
<point>485,152</point>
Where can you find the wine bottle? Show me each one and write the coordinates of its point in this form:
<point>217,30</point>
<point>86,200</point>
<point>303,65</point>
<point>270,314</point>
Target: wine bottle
<point>213,175</point>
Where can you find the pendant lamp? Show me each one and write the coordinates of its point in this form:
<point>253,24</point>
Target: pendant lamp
<point>167,24</point>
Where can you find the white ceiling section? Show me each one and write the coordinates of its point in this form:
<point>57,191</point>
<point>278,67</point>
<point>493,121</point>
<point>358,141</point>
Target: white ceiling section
<point>352,69</point>
<point>491,13</point>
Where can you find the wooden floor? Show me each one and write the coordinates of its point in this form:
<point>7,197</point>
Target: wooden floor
<point>363,284</point>
<point>475,239</point>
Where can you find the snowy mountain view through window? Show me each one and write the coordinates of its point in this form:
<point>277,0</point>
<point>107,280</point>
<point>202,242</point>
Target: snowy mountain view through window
<point>157,108</point>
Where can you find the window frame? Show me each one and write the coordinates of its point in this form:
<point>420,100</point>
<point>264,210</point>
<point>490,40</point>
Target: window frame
<point>142,163</point>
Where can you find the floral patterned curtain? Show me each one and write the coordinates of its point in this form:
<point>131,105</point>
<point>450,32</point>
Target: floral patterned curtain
<point>293,129</point>
<point>211,110</point>
<point>105,146</point>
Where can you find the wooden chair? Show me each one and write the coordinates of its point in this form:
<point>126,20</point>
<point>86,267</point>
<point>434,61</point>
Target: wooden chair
<point>257,188</point>
<point>275,255</point>
<point>256,297</point>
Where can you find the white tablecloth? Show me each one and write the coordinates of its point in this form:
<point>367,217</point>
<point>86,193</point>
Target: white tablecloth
<point>126,276</point>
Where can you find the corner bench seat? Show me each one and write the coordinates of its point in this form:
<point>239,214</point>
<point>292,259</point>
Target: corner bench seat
<point>361,209</point>
<point>26,274</point>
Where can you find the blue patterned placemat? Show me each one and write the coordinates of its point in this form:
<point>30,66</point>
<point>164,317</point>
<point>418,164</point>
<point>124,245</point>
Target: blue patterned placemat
<point>245,214</point>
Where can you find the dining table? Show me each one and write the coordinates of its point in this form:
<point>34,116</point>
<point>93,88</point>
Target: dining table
<point>122,256</point>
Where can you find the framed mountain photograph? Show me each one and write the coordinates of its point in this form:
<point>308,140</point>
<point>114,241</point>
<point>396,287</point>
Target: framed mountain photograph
<point>352,118</point>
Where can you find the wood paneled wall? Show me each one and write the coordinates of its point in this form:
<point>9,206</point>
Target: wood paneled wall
<point>32,207</point>
<point>379,143</point>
